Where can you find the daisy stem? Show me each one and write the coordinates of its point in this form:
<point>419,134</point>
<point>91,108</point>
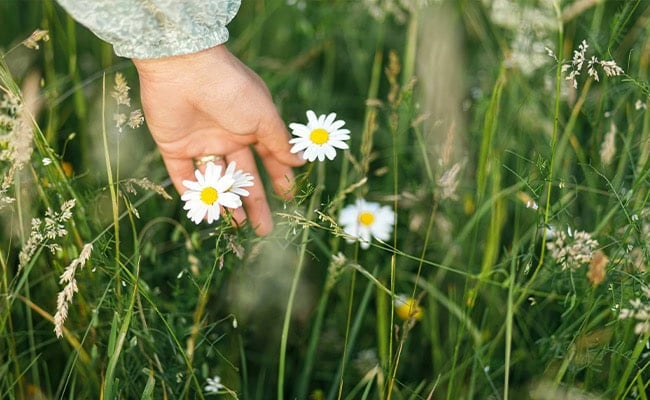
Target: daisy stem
<point>393,271</point>
<point>315,198</point>
<point>352,329</point>
<point>305,375</point>
<point>369,128</point>
<point>353,282</point>
<point>112,190</point>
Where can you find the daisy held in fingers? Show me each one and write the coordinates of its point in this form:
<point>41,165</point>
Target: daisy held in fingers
<point>320,137</point>
<point>212,190</point>
<point>364,220</point>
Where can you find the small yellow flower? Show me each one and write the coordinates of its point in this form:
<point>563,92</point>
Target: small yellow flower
<point>407,308</point>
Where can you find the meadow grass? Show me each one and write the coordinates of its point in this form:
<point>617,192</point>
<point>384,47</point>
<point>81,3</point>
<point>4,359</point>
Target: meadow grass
<point>516,164</point>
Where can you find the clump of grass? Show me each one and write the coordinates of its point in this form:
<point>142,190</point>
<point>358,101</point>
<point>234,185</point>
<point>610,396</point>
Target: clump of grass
<point>507,142</point>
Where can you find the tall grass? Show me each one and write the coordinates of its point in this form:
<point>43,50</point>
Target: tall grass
<point>521,203</point>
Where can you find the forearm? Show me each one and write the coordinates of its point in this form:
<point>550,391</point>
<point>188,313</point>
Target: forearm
<point>146,29</point>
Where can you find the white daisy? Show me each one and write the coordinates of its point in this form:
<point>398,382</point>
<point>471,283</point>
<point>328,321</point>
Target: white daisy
<point>209,193</point>
<point>213,385</point>
<point>363,220</point>
<point>319,137</point>
<point>242,179</point>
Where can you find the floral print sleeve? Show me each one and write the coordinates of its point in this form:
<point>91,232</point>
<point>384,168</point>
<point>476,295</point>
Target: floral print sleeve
<point>156,28</point>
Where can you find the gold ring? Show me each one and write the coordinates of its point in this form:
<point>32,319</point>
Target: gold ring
<point>207,159</point>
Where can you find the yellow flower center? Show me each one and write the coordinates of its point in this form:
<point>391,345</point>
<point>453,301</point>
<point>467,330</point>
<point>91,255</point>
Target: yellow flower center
<point>366,218</point>
<point>209,195</point>
<point>319,136</point>
<point>409,309</point>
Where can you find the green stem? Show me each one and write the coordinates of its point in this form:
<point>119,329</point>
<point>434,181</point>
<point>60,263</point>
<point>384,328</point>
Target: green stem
<point>113,191</point>
<point>315,198</point>
<point>623,385</point>
<point>353,283</point>
<point>110,388</point>
<point>303,382</point>
<point>354,333</point>
<point>509,323</point>
<point>549,181</point>
<point>370,114</point>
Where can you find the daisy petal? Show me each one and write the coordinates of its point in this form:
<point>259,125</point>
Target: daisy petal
<point>330,153</point>
<point>310,154</point>
<point>299,147</point>
<point>329,119</point>
<point>311,116</point>
<point>339,145</point>
<point>337,124</point>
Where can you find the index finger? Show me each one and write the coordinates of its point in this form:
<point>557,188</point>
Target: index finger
<point>274,149</point>
<point>273,140</point>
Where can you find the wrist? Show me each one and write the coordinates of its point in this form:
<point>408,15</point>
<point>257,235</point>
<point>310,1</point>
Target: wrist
<point>174,63</point>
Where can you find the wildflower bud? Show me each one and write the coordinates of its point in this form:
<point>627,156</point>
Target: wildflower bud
<point>597,267</point>
<point>32,41</point>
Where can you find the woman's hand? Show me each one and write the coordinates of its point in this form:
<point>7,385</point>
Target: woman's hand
<point>210,103</point>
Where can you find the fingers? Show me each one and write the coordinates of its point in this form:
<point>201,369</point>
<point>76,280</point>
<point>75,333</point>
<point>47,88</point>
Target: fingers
<point>281,175</point>
<point>256,205</point>
<point>273,140</point>
<point>179,170</point>
<point>274,149</point>
<point>272,145</point>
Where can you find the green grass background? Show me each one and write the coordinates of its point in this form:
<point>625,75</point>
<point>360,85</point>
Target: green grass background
<point>164,304</point>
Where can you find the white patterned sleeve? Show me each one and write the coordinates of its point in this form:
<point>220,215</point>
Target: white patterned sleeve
<point>156,28</point>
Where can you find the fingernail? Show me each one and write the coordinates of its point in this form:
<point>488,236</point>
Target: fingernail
<point>300,156</point>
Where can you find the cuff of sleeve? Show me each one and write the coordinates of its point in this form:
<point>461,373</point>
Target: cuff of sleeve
<point>171,45</point>
<point>147,29</point>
